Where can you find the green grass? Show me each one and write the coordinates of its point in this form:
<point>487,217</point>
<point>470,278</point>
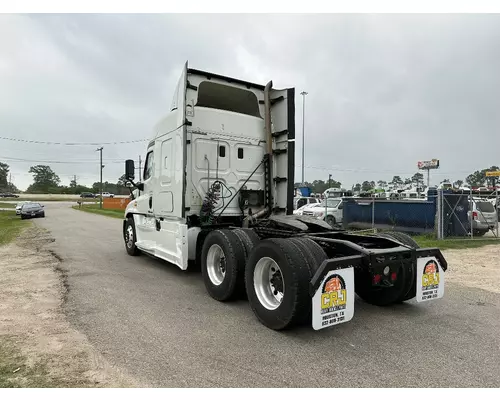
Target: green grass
<point>7,205</point>
<point>11,226</point>
<point>446,244</point>
<point>17,372</point>
<point>94,209</point>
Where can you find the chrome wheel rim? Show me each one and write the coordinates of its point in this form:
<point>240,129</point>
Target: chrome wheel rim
<point>268,283</point>
<point>216,264</point>
<point>129,239</point>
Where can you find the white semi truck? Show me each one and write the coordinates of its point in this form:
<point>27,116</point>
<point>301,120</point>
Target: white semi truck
<point>217,190</point>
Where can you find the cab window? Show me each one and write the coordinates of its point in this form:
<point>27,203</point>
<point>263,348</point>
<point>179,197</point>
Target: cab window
<point>148,167</point>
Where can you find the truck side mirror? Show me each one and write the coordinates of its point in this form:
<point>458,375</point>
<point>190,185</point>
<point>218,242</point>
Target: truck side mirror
<point>129,170</point>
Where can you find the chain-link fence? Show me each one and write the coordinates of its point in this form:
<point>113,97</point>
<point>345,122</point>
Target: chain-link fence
<point>468,215</point>
<point>443,215</point>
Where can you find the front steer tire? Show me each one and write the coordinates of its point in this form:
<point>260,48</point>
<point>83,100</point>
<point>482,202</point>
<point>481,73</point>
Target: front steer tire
<point>130,237</point>
<point>223,264</point>
<point>295,305</point>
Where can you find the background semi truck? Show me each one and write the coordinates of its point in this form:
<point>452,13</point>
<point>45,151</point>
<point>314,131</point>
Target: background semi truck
<point>217,190</point>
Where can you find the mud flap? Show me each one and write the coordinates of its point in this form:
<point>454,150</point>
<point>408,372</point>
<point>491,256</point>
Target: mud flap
<point>430,279</point>
<point>332,289</point>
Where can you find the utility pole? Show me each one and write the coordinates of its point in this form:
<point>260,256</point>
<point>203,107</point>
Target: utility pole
<point>329,181</point>
<point>101,167</point>
<point>303,129</point>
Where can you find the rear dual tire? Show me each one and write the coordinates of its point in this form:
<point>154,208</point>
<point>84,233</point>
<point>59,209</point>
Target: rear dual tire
<point>404,288</point>
<point>223,257</point>
<point>274,274</point>
<point>277,279</point>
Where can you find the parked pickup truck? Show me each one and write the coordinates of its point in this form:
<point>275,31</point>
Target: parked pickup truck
<point>331,212</point>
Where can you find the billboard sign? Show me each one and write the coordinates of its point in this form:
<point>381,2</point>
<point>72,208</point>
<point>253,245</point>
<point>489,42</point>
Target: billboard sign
<point>432,164</point>
<point>493,173</point>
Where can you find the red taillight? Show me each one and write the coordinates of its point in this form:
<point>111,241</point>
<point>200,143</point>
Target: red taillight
<point>394,276</point>
<point>376,279</point>
<point>474,214</point>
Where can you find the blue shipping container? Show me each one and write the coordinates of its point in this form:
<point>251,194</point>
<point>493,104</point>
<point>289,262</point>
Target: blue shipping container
<point>403,215</point>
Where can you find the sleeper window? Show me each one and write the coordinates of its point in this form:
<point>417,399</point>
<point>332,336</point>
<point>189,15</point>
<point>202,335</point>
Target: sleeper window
<point>228,98</point>
<point>222,151</point>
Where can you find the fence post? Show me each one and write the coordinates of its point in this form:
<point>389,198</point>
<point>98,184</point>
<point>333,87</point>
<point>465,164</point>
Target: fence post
<point>471,207</point>
<point>496,207</point>
<point>439,212</point>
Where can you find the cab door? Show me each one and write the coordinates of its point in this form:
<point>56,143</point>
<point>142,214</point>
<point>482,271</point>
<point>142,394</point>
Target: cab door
<point>145,218</point>
<point>171,148</point>
<point>169,191</point>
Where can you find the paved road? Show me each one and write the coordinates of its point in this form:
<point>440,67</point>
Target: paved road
<point>158,323</point>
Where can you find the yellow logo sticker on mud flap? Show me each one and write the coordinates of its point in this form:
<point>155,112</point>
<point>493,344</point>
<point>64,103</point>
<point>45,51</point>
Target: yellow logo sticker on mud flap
<point>430,279</point>
<point>333,302</point>
<point>334,295</point>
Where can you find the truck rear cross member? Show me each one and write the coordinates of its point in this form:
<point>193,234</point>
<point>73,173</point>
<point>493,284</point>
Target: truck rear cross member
<point>217,190</point>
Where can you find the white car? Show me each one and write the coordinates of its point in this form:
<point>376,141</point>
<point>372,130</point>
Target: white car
<point>19,206</point>
<point>332,212</point>
<point>107,194</point>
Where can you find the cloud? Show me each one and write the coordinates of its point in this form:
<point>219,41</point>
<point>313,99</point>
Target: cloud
<point>384,90</point>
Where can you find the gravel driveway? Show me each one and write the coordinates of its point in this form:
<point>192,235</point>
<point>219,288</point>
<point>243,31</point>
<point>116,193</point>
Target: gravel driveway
<point>159,324</point>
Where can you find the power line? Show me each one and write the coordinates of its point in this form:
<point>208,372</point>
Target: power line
<point>84,143</point>
<point>83,161</point>
<point>72,143</point>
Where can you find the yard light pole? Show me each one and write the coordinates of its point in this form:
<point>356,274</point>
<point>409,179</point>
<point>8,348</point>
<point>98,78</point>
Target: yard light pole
<point>303,129</point>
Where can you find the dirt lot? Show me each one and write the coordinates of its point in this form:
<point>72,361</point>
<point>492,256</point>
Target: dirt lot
<point>38,347</point>
<point>478,268</point>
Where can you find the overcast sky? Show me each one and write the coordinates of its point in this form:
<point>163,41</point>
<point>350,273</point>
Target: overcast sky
<point>384,90</point>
